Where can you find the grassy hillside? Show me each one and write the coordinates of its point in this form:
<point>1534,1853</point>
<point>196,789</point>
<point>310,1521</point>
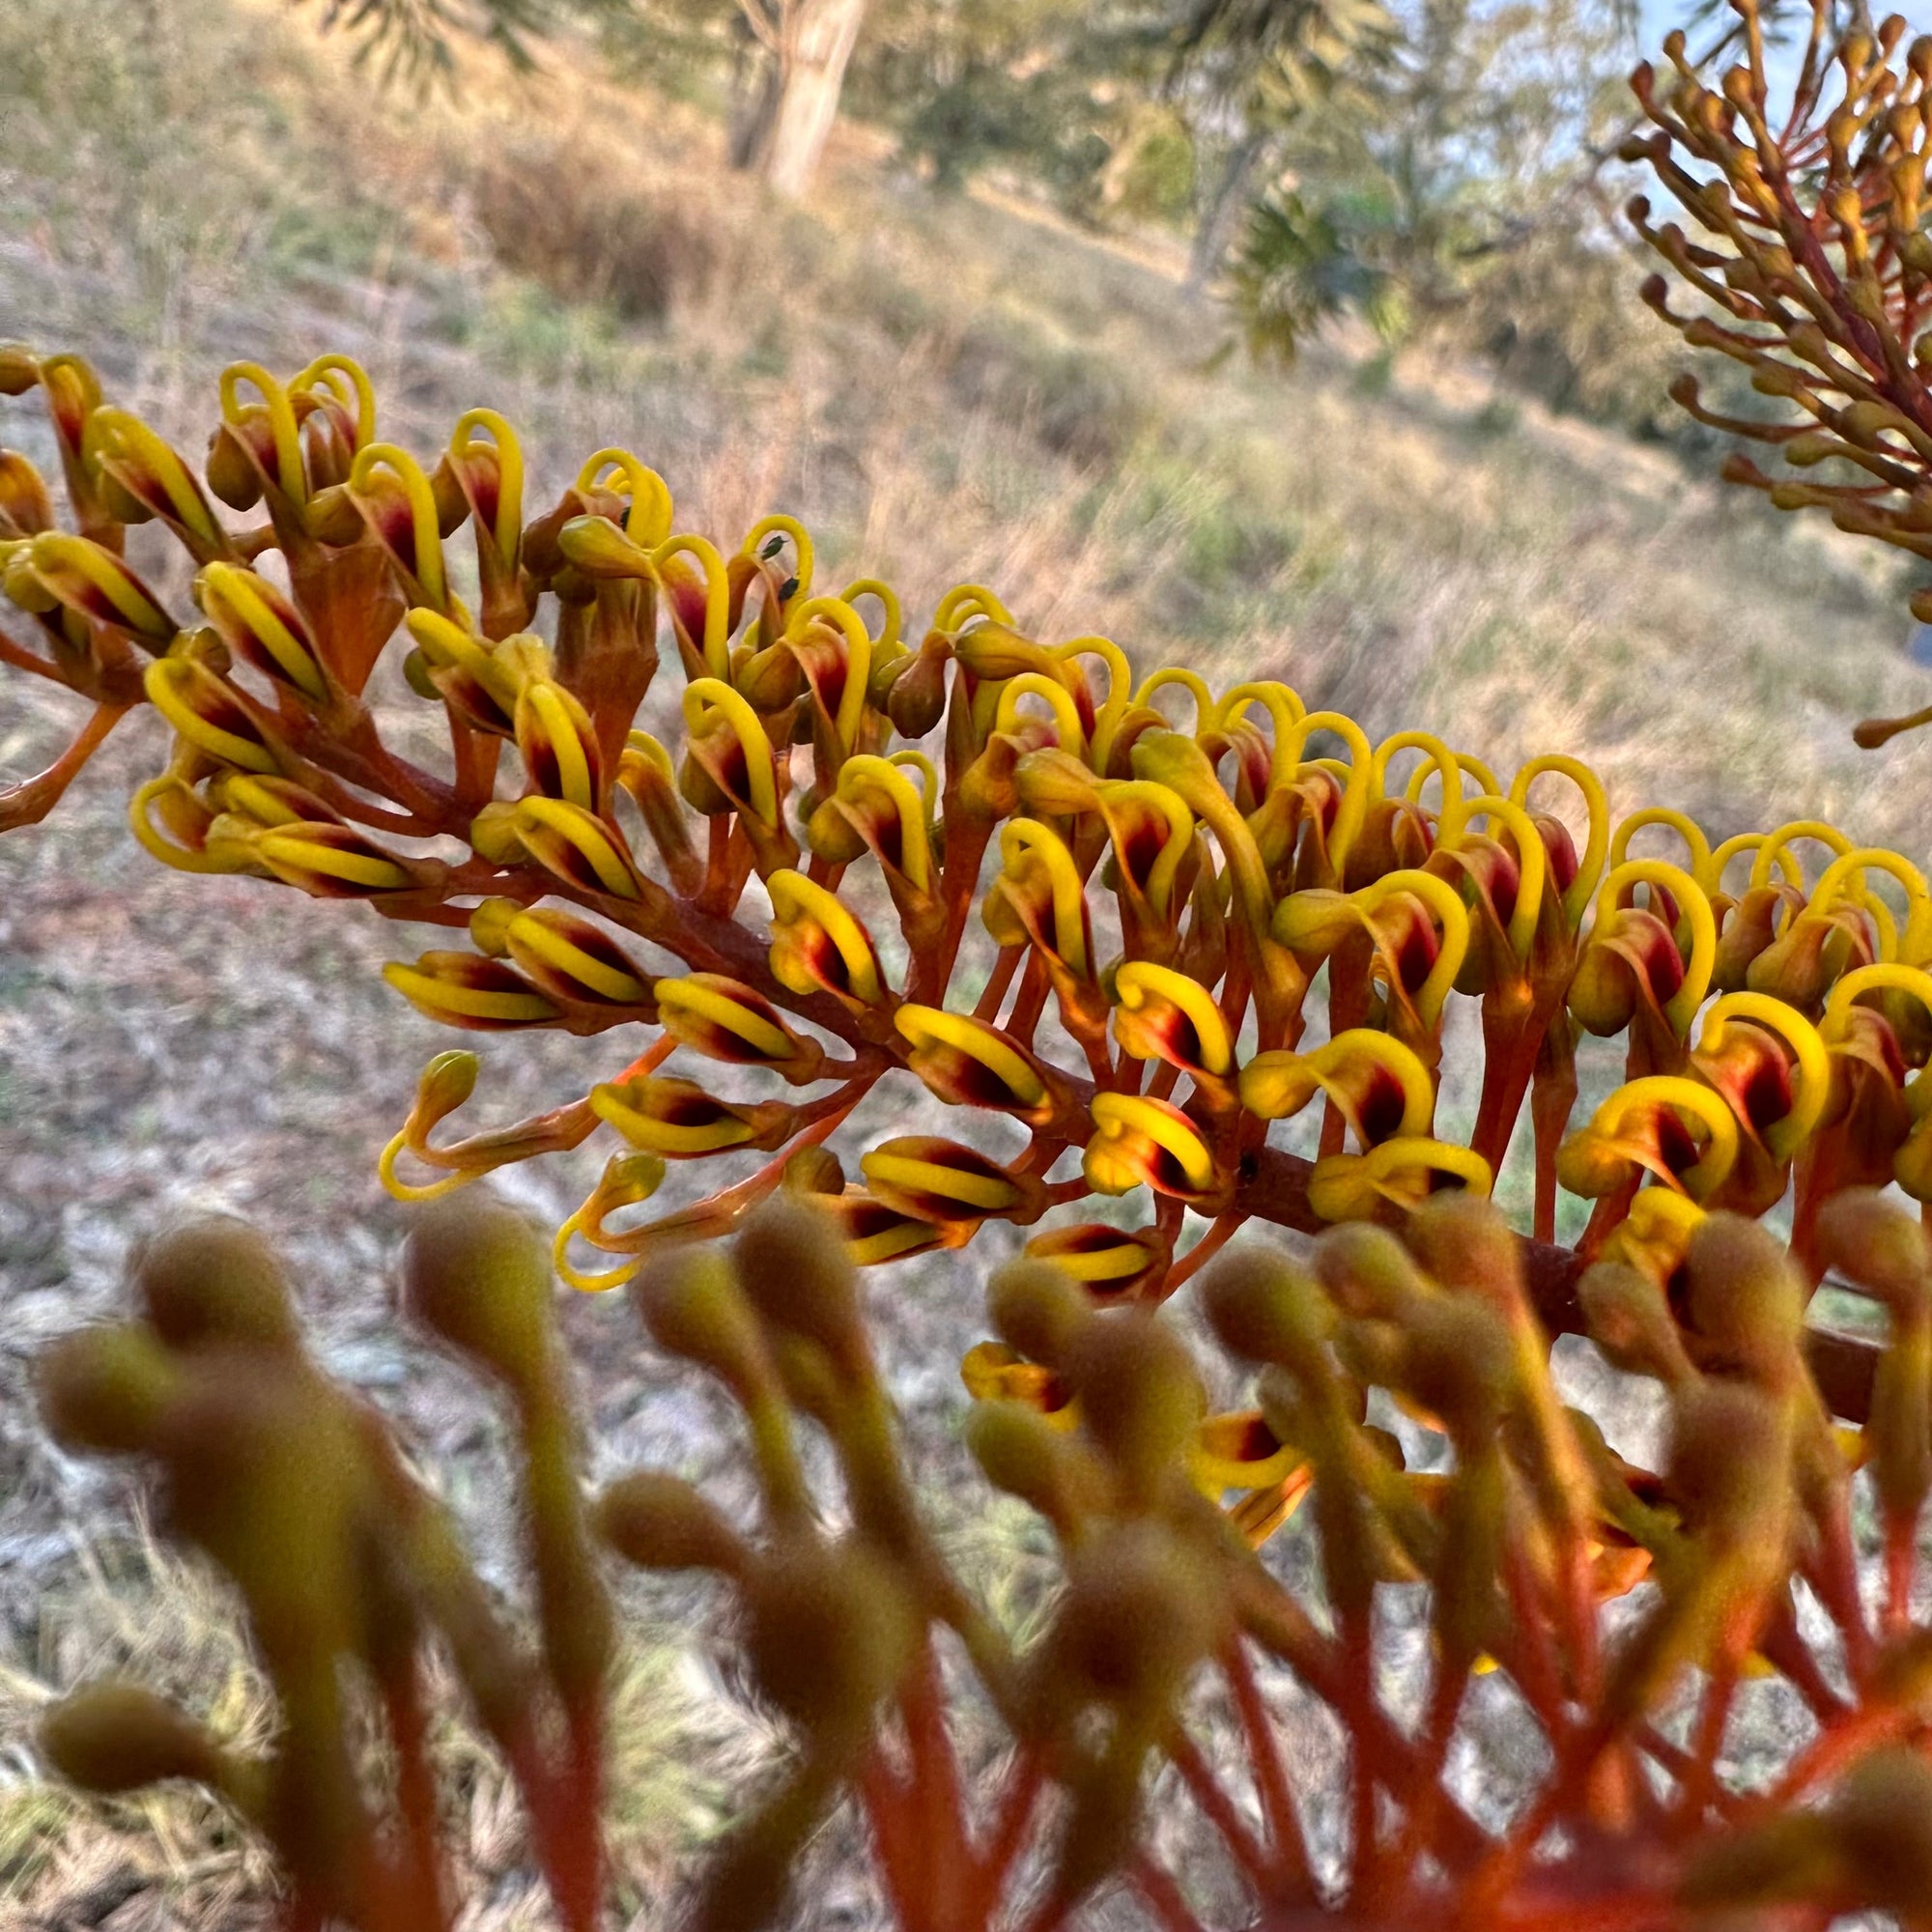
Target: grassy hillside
<point>944,390</point>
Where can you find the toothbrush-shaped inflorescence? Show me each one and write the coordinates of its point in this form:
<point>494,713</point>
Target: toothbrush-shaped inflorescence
<point>1140,920</point>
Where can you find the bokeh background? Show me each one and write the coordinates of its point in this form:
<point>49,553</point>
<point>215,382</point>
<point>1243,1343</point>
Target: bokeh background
<point>1289,341</point>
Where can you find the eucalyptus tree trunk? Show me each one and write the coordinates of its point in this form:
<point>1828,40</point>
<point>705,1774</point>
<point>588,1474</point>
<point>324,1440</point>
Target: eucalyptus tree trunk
<point>785,132</point>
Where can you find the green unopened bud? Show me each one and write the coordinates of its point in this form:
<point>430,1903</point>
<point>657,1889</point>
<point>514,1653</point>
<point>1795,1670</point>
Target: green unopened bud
<point>659,1522</point>
<point>1745,1300</point>
<point>1038,1308</point>
<point>916,698</point>
<point>1138,1391</point>
<point>492,834</point>
<point>1883,1820</point>
<point>114,1737</point>
<point>1729,1458</point>
<point>1262,1307</point>
<point>1027,1455</point>
<point>490,931</point>
<point>477,1274</point>
<point>690,1302</point>
<point>214,1281</point>
<point>829,1634</point>
<point>231,475</point>
<point>1367,1271</point>
<point>104,1389</point>
<point>814,1170</point>
<point>1463,1243</point>
<point>1626,1316</point>
<point>1138,1615</point>
<point>1457,1363</point>
<point>1877,1245</point>
<point>795,1270</point>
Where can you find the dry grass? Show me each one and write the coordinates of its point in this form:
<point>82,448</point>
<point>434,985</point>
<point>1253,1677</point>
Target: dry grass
<point>944,390</point>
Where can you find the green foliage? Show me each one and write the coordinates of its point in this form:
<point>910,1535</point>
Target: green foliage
<point>970,84</point>
<point>1296,268</point>
<point>414,41</point>
<point>1443,163</point>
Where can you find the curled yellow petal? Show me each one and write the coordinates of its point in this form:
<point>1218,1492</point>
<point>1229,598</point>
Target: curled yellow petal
<point>1404,1173</point>
<point>1138,1141</point>
<point>1693,905</point>
<point>575,844</point>
<point>806,920</point>
<point>1597,807</point>
<point>1813,1085</point>
<point>1145,989</point>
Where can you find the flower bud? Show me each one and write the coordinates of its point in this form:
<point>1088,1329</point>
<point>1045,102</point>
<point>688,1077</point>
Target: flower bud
<point>94,582</point>
<point>831,1632</point>
<point>1463,1243</point>
<point>1040,1308</point>
<point>916,699</point>
<point>104,1389</point>
<point>943,1181</point>
<point>815,1171</point>
<point>1138,1391</point>
<point>570,959</point>
<point>680,1120</point>
<point>459,989</point>
<point>135,460</point>
<point>1731,1460</point>
<point>658,1522</point>
<point>1262,1307</point>
<point>25,507</point>
<point>875,1233</point>
<point>214,1280</point>
<point>994,1372</point>
<point>1240,1450</point>
<point>1745,1299</point>
<point>330,860</point>
<point>1402,1173</point>
<point>208,714</point>
<point>968,1062</point>
<point>558,745</point>
<point>1141,1141</point>
<point>1367,1272</point>
<point>817,946</point>
<point>1161,1015</point>
<point>799,1278</point>
<point>1028,1454</point>
<point>724,1019</point>
<point>113,1738</point>
<point>1626,1314</point>
<point>691,1303</point>
<point>1877,1245</point>
<point>582,849</point>
<point>476,1274</point>
<point>644,771</point>
<point>261,625</point>
<point>1116,1265</point>
<point>1138,1615</point>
